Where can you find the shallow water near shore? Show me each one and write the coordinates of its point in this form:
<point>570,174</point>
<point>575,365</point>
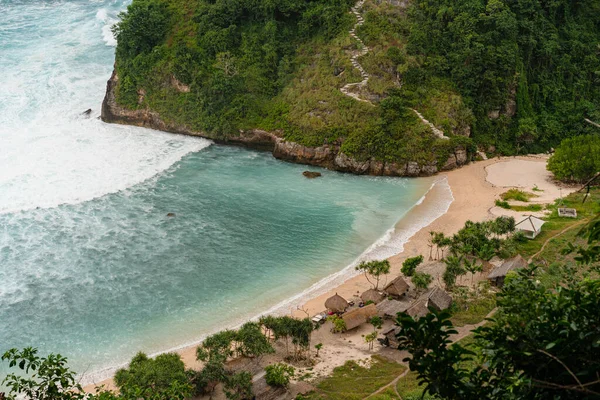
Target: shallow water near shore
<point>92,267</point>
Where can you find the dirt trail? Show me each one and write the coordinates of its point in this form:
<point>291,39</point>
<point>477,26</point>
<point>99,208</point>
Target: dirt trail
<point>363,50</point>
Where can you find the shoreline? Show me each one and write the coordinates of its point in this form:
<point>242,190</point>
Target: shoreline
<point>473,198</point>
<point>391,242</point>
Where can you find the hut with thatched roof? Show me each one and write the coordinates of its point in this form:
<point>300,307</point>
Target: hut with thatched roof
<point>418,309</point>
<point>397,288</point>
<point>373,296</point>
<point>439,299</point>
<point>496,277</point>
<point>336,304</point>
<point>359,316</point>
<point>389,337</point>
<point>390,308</point>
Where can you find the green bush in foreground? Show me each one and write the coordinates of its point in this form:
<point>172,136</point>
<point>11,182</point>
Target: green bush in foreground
<point>162,377</point>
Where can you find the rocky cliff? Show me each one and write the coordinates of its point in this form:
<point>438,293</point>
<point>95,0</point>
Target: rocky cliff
<point>328,156</point>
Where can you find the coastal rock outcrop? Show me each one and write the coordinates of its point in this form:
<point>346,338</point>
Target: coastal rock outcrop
<point>311,174</point>
<point>328,156</point>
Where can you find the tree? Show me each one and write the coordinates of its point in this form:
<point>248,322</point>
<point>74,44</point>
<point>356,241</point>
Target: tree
<point>410,265</point>
<point>576,159</point>
<point>238,386</point>
<point>421,280</point>
<point>251,341</point>
<point>376,321</point>
<point>279,374</point>
<point>454,269</point>
<point>473,267</point>
<point>339,325</point>
<point>318,346</point>
<point>162,377</point>
<point>48,378</point>
<point>376,269</point>
<point>211,374</point>
<point>216,346</point>
<point>370,339</point>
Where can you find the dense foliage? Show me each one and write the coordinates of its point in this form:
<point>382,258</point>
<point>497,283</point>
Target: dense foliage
<point>517,75</point>
<point>537,60</point>
<point>576,159</point>
<point>234,55</point>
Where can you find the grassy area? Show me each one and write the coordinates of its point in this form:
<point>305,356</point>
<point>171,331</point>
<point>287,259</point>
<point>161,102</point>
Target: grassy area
<point>352,381</point>
<point>472,308</point>
<point>409,389</point>
<point>555,224</point>
<point>518,195</point>
<point>528,207</point>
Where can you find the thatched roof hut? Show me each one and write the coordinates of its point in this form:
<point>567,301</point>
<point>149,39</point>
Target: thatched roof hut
<point>359,316</point>
<point>390,308</point>
<point>418,309</point>
<point>372,295</point>
<point>336,303</point>
<point>390,339</point>
<point>439,299</point>
<point>496,277</point>
<point>397,288</point>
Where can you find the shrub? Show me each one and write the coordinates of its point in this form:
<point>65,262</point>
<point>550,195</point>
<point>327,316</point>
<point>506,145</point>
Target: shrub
<point>517,194</point>
<point>279,374</point>
<point>503,204</point>
<point>162,377</point>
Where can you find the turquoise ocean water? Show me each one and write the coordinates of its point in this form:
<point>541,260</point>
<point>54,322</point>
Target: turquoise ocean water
<point>90,264</point>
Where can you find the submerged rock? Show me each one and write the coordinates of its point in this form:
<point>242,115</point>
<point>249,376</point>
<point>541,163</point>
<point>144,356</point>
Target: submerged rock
<point>87,112</point>
<point>311,174</point>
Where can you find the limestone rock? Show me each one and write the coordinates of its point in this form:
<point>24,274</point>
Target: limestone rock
<point>311,174</point>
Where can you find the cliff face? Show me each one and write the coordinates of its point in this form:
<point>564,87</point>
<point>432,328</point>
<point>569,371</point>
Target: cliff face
<point>327,156</point>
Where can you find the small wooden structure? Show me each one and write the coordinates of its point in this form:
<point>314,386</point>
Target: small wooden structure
<point>359,316</point>
<point>567,212</point>
<point>530,226</point>
<point>336,304</point>
<point>439,299</point>
<point>372,295</point>
<point>397,288</point>
<point>390,308</point>
<point>496,277</point>
<point>390,339</point>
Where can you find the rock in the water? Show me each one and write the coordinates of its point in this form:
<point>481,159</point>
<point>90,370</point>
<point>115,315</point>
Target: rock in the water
<point>311,174</point>
<point>87,112</point>
<point>170,214</point>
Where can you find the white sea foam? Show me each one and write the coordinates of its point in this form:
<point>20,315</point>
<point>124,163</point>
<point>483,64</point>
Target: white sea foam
<point>51,155</point>
<point>108,20</point>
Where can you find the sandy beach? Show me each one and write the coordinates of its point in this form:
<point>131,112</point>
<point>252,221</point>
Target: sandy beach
<point>475,187</point>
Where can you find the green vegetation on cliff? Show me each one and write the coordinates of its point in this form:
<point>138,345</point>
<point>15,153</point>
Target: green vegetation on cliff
<point>518,75</point>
